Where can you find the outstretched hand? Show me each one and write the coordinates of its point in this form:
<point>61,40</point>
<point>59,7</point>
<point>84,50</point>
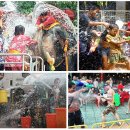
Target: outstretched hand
<point>106,24</point>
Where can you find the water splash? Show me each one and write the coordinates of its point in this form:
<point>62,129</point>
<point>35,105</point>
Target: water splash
<point>119,23</point>
<point>57,13</point>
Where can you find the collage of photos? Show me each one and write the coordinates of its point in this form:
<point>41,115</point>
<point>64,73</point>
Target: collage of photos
<point>65,64</point>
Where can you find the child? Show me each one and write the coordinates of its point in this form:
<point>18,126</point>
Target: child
<point>114,42</point>
<point>17,46</point>
<point>46,21</point>
<point>56,90</point>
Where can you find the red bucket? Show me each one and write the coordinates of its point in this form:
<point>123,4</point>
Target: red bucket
<point>51,120</point>
<point>61,117</point>
<point>26,122</point>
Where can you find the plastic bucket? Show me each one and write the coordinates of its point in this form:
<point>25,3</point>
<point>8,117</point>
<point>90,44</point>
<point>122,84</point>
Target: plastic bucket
<point>51,120</point>
<point>26,122</point>
<point>3,96</point>
<point>61,117</point>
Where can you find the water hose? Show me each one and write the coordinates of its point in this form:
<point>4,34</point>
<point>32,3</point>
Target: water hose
<point>66,56</point>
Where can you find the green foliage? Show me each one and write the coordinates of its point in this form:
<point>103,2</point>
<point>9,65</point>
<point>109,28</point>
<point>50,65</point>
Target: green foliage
<point>25,7</point>
<point>64,4</point>
<point>102,3</point>
<point>1,3</point>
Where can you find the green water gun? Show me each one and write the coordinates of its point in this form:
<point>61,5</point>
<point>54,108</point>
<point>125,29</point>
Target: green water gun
<point>88,85</point>
<point>116,99</point>
<point>128,38</point>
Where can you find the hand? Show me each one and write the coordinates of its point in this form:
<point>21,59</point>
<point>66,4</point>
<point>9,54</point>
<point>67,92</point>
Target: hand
<point>92,49</point>
<point>124,41</point>
<point>106,24</point>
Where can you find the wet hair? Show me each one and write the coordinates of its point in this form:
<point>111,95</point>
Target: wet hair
<point>44,13</point>
<point>111,26</point>
<point>19,29</point>
<point>93,7</point>
<point>70,85</point>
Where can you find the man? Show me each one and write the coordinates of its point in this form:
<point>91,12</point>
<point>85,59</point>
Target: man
<point>110,107</point>
<point>75,115</point>
<point>87,29</point>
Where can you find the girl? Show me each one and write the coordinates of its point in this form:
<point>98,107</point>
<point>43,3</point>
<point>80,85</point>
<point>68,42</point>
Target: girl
<point>114,42</point>
<point>17,46</point>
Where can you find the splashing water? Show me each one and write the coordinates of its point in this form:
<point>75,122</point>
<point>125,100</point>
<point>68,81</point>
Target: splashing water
<point>34,86</point>
<point>57,13</point>
<point>9,7</point>
<point>14,18</point>
<point>119,23</point>
<point>47,80</point>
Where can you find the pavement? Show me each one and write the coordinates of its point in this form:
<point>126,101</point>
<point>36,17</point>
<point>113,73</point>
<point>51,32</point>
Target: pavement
<point>92,114</point>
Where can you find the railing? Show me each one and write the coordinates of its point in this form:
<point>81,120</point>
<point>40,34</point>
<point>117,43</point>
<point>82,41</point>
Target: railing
<point>113,124</point>
<point>79,126</point>
<point>31,64</point>
<point>42,63</point>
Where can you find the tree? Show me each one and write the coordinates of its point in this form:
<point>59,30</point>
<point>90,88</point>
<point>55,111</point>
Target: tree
<point>25,7</point>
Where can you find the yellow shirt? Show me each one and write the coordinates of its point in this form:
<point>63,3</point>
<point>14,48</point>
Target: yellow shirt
<point>113,48</point>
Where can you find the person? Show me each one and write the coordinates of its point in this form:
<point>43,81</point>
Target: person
<point>74,115</point>
<point>56,90</point>
<point>111,82</point>
<point>93,93</point>
<point>2,42</point>
<point>46,21</point>
<point>127,31</point>
<point>128,112</point>
<point>87,28</point>
<point>70,13</point>
<point>95,83</point>
<point>110,107</point>
<point>18,45</point>
<point>120,87</point>
<point>114,41</point>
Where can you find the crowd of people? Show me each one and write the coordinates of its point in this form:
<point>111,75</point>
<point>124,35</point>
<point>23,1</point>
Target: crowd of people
<point>81,91</point>
<point>101,49</point>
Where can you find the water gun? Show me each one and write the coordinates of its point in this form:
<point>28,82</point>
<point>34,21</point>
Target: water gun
<point>116,99</point>
<point>128,38</point>
<point>88,85</point>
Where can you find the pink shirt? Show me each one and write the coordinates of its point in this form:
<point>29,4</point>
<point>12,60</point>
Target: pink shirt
<point>19,44</point>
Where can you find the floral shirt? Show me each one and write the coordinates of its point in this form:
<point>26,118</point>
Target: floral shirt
<point>18,45</point>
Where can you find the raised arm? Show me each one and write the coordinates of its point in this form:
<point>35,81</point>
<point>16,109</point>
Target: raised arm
<point>93,23</point>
